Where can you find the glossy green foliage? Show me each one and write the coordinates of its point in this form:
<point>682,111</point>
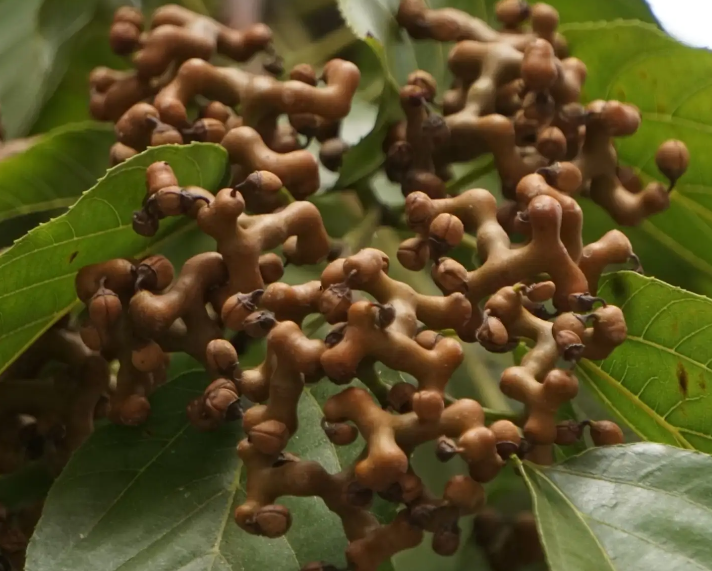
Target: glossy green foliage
<point>77,155</point>
<point>639,507</point>
<point>37,273</point>
<point>657,381</point>
<point>131,496</point>
<point>37,38</point>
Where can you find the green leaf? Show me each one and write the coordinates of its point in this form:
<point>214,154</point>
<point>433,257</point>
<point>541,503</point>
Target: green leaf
<point>69,103</point>
<point>130,496</point>
<point>129,493</point>
<point>36,36</point>
<point>25,486</point>
<point>37,273</point>
<point>186,245</point>
<point>640,507</point>
<point>376,19</point>
<point>571,11</point>
<point>366,156</point>
<point>342,213</point>
<point>478,173</point>
<point>54,171</point>
<point>657,381</point>
<point>634,62</point>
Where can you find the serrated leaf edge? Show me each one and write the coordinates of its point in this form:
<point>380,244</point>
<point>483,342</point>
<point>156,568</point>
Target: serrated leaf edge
<point>180,229</point>
<point>45,139</point>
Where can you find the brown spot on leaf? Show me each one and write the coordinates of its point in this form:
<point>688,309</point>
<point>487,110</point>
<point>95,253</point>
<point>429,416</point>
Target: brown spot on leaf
<point>682,380</point>
<point>73,256</point>
<point>643,74</point>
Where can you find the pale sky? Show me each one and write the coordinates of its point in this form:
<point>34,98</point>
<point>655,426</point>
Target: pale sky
<point>687,20</point>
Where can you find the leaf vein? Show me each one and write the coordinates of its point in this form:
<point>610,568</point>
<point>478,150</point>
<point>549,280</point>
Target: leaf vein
<point>128,487</point>
<point>668,350</point>
<point>643,539</point>
<point>176,525</point>
<point>695,332</point>
<point>573,508</point>
<point>636,292</point>
<point>583,365</point>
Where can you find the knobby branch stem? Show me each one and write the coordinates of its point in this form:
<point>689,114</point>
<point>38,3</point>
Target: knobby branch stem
<point>483,381</point>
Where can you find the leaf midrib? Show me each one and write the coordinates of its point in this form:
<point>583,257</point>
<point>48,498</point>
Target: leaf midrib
<point>587,368</point>
<point>53,204</point>
<point>140,472</point>
<point>234,487</point>
<point>232,491</point>
<point>535,499</point>
<point>52,318</point>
